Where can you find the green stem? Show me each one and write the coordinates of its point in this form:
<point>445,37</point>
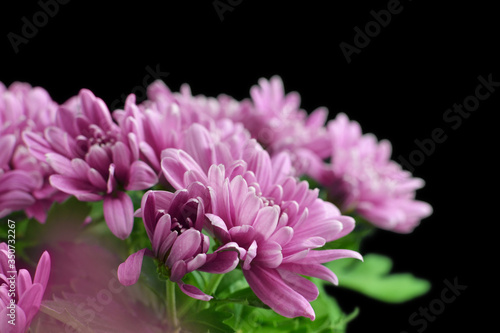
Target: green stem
<point>171,306</point>
<point>214,283</point>
<point>212,287</point>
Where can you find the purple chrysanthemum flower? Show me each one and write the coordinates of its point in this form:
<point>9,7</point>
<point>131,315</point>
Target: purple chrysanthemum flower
<point>361,177</point>
<point>92,159</point>
<point>174,222</point>
<point>24,182</point>
<point>20,296</point>
<point>276,219</point>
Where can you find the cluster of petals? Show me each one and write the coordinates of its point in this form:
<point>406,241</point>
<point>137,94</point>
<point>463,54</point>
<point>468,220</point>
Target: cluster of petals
<point>24,182</point>
<point>174,223</point>
<point>361,177</point>
<point>273,221</point>
<point>20,296</point>
<point>92,159</point>
<point>279,124</point>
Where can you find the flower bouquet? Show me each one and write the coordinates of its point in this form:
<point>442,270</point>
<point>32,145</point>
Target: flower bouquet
<point>194,214</point>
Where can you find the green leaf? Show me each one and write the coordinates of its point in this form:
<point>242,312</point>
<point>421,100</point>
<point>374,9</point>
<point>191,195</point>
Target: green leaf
<point>244,296</point>
<point>372,279</point>
<point>207,321</point>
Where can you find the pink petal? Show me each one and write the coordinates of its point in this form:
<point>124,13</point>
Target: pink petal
<point>15,200</point>
<point>186,245</point>
<point>161,239</point>
<point>23,281</point>
<point>199,144</point>
<point>60,164</point>
<point>130,271</point>
<point>119,214</point>
<point>42,273</point>
<point>224,260</point>
<point>266,221</point>
<point>37,145</point>
<point>70,185</point>
<point>314,270</point>
<point>269,254</point>
<point>270,288</point>
<point>98,159</point>
<point>20,180</point>
<point>141,177</point>
<point>121,160</point>
<point>175,163</point>
<point>217,228</point>
<point>300,284</point>
<point>194,292</point>
<point>20,326</point>
<point>30,301</point>
<point>7,142</point>
<point>323,256</point>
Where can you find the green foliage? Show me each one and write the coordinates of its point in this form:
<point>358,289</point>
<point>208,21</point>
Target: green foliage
<point>372,279</point>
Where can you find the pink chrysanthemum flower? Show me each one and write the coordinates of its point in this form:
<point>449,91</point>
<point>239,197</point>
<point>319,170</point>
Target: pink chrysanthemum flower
<point>161,122</point>
<point>20,296</point>
<point>278,123</point>
<point>173,223</point>
<point>24,182</point>
<point>276,219</point>
<point>91,156</point>
<point>197,109</point>
<point>361,177</point>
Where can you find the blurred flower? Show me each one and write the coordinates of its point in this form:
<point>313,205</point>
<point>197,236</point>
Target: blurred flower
<point>92,159</point>
<point>278,123</point>
<point>87,296</point>
<point>24,182</point>
<point>361,177</point>
<point>20,296</point>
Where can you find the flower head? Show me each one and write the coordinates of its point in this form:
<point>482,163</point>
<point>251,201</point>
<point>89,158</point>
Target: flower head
<point>278,123</point>
<point>20,296</point>
<point>91,157</point>
<point>174,222</point>
<point>362,177</point>
<point>24,182</point>
<point>277,220</point>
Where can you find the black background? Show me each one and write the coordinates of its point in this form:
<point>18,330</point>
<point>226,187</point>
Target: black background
<point>398,87</point>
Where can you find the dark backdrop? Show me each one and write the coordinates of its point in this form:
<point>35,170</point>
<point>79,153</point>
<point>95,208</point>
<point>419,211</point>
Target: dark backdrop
<point>399,85</point>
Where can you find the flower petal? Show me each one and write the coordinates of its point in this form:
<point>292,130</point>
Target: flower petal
<point>130,271</point>
<point>141,177</point>
<point>119,214</point>
<point>270,288</point>
<point>194,292</point>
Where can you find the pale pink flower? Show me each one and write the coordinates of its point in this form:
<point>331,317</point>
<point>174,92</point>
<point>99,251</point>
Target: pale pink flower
<point>161,122</point>
<point>279,124</point>
<point>87,296</point>
<point>362,178</point>
<point>24,181</point>
<point>91,157</point>
<point>20,296</point>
